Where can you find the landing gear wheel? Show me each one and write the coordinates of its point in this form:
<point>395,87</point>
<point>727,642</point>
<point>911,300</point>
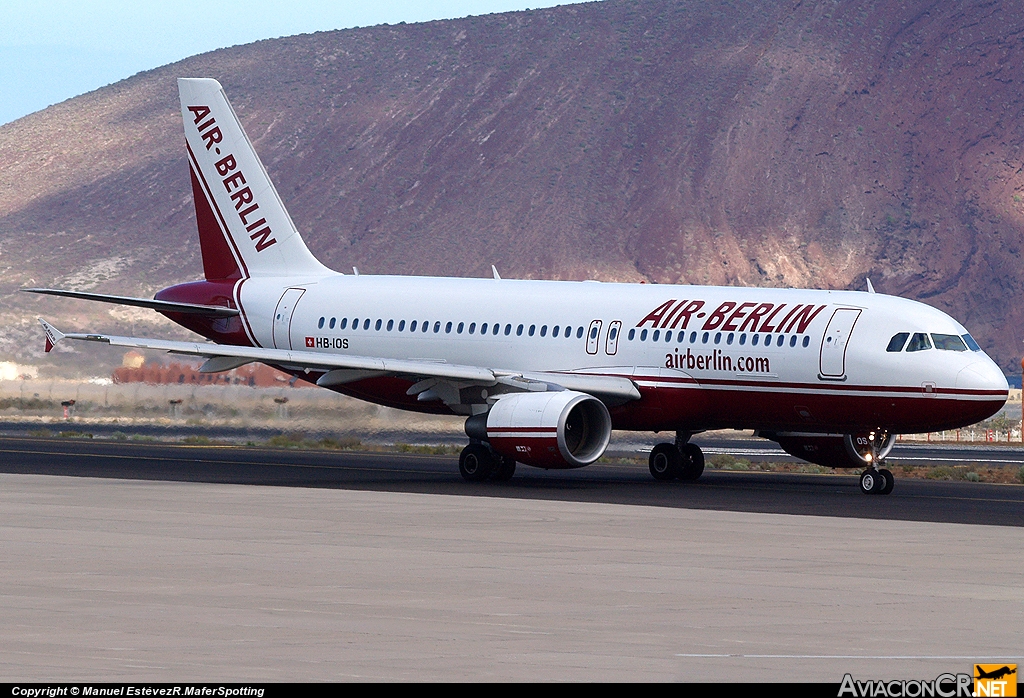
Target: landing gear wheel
<point>476,463</point>
<point>665,462</point>
<point>871,481</point>
<point>506,468</point>
<point>692,466</point>
<point>888,481</point>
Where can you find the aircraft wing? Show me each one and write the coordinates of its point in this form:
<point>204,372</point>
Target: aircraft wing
<point>342,369</point>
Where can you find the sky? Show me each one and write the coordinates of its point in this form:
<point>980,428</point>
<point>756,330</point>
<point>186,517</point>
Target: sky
<point>54,50</point>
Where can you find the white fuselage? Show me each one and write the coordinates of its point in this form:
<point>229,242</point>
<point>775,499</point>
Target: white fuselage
<point>738,345</point>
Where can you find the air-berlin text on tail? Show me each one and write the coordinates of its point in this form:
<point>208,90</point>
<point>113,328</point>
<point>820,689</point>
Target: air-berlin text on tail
<point>233,180</point>
<point>731,316</point>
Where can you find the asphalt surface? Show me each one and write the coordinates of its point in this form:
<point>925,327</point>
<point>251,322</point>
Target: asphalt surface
<point>775,493</point>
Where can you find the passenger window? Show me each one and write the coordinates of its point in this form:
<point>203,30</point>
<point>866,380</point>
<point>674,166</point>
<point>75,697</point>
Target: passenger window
<point>331,324</point>
<point>320,325</point>
<point>412,327</point>
<point>792,341</point>
<point>579,332</point>
<point>401,326</point>
<point>728,340</point>
<point>391,325</point>
<point>949,342</point>
<point>483,329</point>
<point>555,331</point>
<point>366,324</point>
<point>344,323</point>
<point>971,343</point>
<point>533,328</point>
<point>643,335</point>
<point>898,340</point>
<point>754,339</point>
<point>448,328</point>
<point>519,331</point>
<point>656,336</point>
<point>632,334</point>
<point>693,337</point>
<point>781,341</point>
<point>743,339</point>
<point>462,326</point>
<point>718,337</point>
<point>544,331</point>
<point>437,326</point>
<point>377,326</point>
<point>919,342</point>
<point>807,341</point>
<point>593,332</point>
<point>704,338</point>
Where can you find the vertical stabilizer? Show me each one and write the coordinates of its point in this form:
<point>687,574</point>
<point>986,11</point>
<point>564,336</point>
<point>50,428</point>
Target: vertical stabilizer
<point>244,229</point>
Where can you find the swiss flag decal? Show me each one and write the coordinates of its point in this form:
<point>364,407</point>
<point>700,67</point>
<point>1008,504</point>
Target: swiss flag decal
<point>310,342</point>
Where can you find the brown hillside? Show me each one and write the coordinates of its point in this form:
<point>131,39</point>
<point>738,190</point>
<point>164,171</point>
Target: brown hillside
<point>756,143</point>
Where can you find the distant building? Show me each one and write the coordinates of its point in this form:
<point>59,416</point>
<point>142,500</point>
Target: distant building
<point>254,375</point>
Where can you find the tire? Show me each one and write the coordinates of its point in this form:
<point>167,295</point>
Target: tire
<point>476,463</point>
<point>692,465</point>
<point>505,469</point>
<point>889,481</point>
<point>871,481</point>
<point>665,462</point>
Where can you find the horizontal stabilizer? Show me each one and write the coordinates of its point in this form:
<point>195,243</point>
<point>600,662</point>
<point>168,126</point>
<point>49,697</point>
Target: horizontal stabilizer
<point>151,303</point>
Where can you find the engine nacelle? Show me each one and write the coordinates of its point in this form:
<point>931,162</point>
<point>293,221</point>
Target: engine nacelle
<point>859,450</point>
<point>563,429</point>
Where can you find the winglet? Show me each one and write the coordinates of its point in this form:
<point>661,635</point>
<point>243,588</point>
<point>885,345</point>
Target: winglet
<point>53,335</point>
<point>871,289</point>
<point>494,270</point>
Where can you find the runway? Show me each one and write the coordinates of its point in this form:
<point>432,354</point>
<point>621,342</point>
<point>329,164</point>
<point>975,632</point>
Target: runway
<point>775,493</point>
<point>133,562</point>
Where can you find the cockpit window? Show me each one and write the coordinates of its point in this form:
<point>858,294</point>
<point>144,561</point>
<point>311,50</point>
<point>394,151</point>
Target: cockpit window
<point>971,343</point>
<point>919,342</point>
<point>897,341</point>
<point>949,342</point>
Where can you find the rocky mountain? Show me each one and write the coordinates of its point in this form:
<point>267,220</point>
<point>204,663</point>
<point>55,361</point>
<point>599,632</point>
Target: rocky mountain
<point>750,142</point>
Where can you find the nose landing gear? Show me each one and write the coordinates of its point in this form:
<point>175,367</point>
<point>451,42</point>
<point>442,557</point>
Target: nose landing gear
<point>871,449</point>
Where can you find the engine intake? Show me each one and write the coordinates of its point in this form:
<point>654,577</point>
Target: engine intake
<point>564,429</point>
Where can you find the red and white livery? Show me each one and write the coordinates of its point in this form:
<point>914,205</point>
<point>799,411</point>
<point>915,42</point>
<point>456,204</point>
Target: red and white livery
<point>544,370</point>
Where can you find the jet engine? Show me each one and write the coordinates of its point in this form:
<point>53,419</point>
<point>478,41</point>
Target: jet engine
<point>563,429</point>
<point>859,450</point>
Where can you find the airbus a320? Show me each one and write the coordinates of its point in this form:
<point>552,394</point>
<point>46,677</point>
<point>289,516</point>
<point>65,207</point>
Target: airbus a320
<point>543,371</point>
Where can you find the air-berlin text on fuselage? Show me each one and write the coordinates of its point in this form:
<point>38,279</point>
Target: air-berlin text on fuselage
<point>731,316</point>
<point>233,180</point>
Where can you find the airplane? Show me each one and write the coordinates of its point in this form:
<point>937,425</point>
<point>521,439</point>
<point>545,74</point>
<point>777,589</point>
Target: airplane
<point>543,371</point>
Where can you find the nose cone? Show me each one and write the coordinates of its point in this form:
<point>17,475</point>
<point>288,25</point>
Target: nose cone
<point>983,376</point>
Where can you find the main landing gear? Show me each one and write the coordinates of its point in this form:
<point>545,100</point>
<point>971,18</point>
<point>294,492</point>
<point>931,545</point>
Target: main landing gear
<point>681,460</point>
<point>478,463</point>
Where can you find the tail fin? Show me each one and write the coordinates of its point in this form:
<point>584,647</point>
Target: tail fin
<point>244,229</point>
